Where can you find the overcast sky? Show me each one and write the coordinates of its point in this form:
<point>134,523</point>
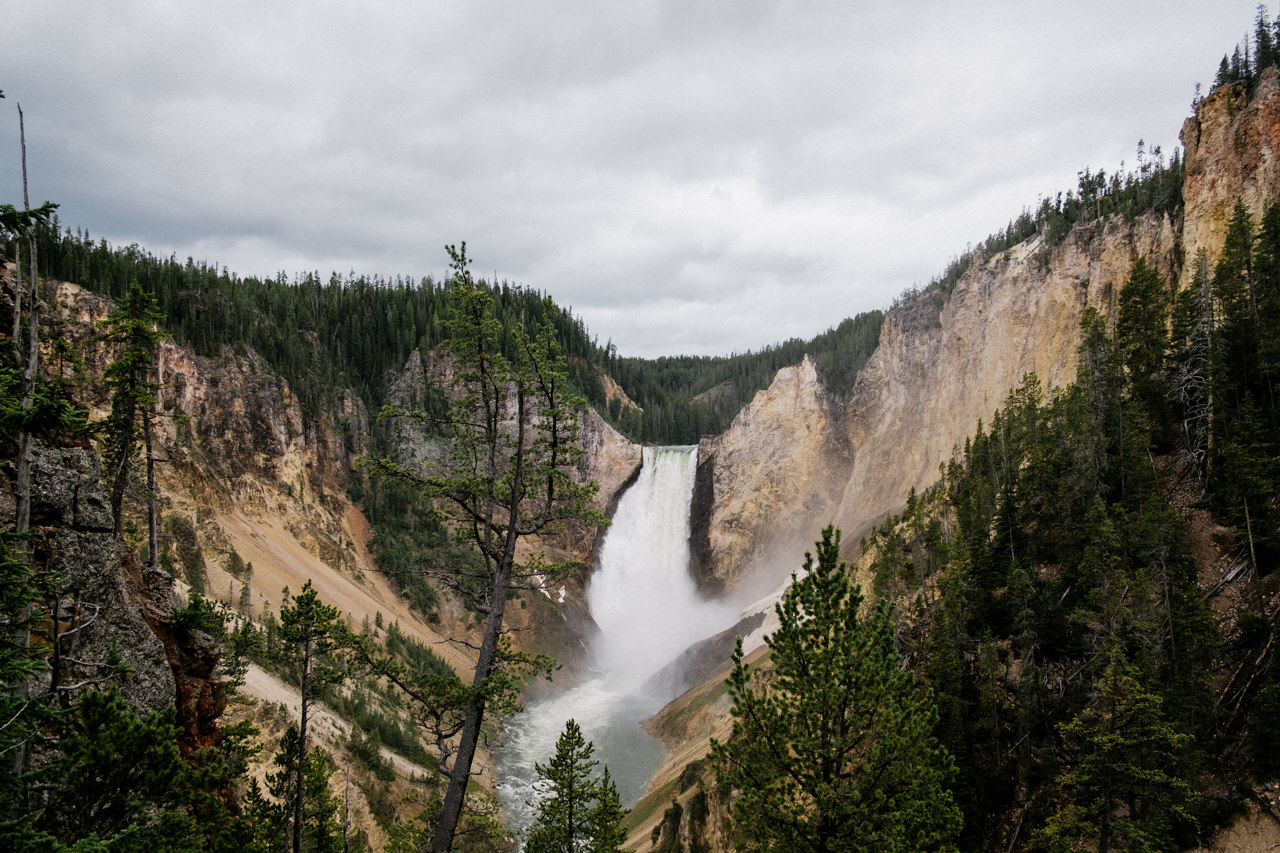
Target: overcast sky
<point>689,177</point>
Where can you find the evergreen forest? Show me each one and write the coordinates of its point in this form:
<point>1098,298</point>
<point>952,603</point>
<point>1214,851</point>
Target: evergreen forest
<point>1095,688</point>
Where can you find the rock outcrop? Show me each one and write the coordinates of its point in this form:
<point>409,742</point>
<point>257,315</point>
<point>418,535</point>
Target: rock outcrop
<point>610,460</point>
<point>782,464</point>
<point>102,639</point>
<point>200,694</point>
<point>233,434</point>
<point>246,471</point>
<point>1232,152</point>
<point>114,625</point>
<point>931,381</point>
<point>795,460</point>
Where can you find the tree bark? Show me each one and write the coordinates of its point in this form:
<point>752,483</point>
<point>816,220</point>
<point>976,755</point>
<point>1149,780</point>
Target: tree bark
<point>460,776</point>
<point>153,520</point>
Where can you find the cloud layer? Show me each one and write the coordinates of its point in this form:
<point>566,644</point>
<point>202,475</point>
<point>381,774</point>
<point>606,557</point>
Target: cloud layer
<point>691,177</point>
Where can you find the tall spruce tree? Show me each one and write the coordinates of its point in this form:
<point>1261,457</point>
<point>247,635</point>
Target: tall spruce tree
<point>310,630</point>
<point>1142,336</point>
<point>23,717</point>
<point>1242,472</point>
<point>833,748</point>
<point>1125,781</point>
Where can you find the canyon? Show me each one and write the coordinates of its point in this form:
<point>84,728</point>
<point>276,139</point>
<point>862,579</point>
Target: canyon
<point>254,477</point>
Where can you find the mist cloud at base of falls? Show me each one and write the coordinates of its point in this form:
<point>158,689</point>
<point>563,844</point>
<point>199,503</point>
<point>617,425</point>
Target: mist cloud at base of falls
<point>642,597</point>
<point>648,611</point>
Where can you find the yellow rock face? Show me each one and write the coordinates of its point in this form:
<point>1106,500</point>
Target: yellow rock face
<point>794,460</point>
<point>1232,152</point>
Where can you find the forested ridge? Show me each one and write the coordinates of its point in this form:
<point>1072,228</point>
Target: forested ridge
<point>353,331</point>
<point>1088,597</point>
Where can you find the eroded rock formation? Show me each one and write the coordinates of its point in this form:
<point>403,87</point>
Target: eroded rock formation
<point>102,639</point>
<point>1232,148</point>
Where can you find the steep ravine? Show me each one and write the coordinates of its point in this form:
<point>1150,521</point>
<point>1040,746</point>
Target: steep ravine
<point>247,473</point>
<point>251,474</point>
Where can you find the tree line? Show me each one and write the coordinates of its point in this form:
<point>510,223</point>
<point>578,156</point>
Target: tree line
<point>1246,62</point>
<point>351,331</point>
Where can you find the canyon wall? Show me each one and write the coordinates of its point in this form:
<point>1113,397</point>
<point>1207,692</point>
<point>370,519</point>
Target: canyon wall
<point>1232,146</point>
<point>248,472</point>
<point>795,460</point>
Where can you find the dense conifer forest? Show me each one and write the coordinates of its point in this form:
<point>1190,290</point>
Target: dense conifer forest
<point>1092,685</point>
<point>352,331</point>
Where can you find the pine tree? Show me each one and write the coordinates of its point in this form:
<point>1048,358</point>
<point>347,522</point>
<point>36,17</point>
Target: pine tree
<point>275,819</point>
<point>835,750</point>
<point>24,716</point>
<point>1142,336</point>
<point>118,782</point>
<point>1242,472</point>
<point>576,810</point>
<point>1233,279</point>
<point>508,474</point>
<point>1123,781</point>
<point>310,630</point>
<point>1263,43</point>
<point>132,324</point>
<point>608,821</point>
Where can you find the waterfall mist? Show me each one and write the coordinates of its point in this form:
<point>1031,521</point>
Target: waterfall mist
<point>642,597</point>
<point>648,611</point>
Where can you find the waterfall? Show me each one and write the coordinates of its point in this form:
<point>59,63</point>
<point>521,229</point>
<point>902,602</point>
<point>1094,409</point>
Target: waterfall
<point>648,610</point>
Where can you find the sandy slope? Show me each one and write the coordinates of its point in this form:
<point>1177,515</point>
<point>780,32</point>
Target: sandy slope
<point>322,724</point>
<point>280,560</point>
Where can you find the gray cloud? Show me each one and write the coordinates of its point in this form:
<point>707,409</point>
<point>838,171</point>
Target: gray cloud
<point>689,176</point>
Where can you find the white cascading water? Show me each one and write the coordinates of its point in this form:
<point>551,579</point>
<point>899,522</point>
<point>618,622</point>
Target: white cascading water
<point>649,611</point>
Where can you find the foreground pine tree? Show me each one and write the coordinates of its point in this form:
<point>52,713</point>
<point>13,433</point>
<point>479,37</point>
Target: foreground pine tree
<point>833,747</point>
<point>578,812</point>
<point>312,630</point>
<point>506,474</point>
<point>131,380</point>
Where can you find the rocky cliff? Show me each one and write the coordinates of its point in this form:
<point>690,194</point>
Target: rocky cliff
<point>1232,146</point>
<point>944,362</point>
<point>98,634</point>
<point>253,499</point>
<point>794,460</point>
<point>561,621</point>
<point>782,465</point>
